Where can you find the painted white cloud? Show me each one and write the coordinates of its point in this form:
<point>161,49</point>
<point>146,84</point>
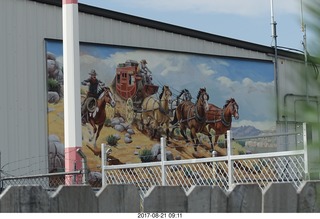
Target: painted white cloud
<point>205,69</point>
<point>226,82</point>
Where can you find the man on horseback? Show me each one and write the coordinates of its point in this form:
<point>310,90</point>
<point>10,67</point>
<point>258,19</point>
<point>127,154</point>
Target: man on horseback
<point>92,96</point>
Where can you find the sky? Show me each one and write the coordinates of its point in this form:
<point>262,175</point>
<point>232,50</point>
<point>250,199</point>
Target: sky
<point>247,20</point>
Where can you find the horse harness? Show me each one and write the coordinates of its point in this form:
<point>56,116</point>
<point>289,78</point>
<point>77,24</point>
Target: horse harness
<point>223,120</point>
<point>160,108</point>
<point>196,116</point>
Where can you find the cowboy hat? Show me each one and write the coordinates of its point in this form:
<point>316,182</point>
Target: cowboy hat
<point>93,73</point>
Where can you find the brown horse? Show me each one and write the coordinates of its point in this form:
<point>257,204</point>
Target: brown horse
<point>220,119</point>
<point>193,116</point>
<point>155,113</point>
<point>98,118</point>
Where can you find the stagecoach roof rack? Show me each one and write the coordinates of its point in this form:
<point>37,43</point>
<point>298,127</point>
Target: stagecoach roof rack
<point>131,63</point>
<point>128,63</point>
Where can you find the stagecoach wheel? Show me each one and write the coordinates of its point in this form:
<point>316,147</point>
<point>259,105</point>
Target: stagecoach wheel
<point>129,111</point>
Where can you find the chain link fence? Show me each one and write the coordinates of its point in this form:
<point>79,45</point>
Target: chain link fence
<point>49,182</point>
<point>223,171</point>
<point>15,173</point>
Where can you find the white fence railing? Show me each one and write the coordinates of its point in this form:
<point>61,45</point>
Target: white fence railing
<point>223,171</point>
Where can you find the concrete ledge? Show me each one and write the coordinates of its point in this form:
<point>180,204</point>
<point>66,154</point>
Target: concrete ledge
<point>280,198</point>
<point>245,198</point>
<point>165,199</point>
<point>74,199</point>
<point>24,199</point>
<point>219,200</point>
<point>277,197</point>
<point>119,199</point>
<point>206,199</point>
<point>309,197</point>
<point>199,199</point>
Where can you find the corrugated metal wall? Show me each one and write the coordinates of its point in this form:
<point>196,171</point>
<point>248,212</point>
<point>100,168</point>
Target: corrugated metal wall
<point>101,30</point>
<point>25,25</point>
<point>23,108</point>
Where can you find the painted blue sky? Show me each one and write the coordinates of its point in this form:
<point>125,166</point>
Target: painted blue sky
<point>250,82</point>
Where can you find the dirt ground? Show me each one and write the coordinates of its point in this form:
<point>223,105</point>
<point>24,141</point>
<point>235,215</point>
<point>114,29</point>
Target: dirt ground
<point>125,153</point>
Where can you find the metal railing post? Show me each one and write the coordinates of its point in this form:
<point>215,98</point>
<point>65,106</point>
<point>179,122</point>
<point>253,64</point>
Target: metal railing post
<point>305,148</point>
<point>214,168</point>
<point>103,159</point>
<point>230,169</point>
<point>163,159</point>
<point>74,181</point>
<point>84,166</point>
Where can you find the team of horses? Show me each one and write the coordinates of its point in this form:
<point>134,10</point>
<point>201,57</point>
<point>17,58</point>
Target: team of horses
<point>198,117</point>
<point>201,117</point>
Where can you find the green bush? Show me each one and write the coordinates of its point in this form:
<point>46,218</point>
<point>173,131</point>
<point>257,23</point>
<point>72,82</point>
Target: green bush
<point>107,122</point>
<point>146,155</point>
<point>112,140</point>
<point>53,85</point>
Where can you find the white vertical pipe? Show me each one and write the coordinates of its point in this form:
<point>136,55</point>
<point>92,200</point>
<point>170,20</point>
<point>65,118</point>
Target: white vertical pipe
<point>71,66</point>
<point>103,163</point>
<point>272,18</point>
<point>305,148</point>
<point>230,166</point>
<point>163,159</point>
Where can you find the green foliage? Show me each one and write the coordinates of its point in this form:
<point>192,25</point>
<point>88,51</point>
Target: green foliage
<point>221,143</point>
<point>53,85</point>
<point>112,140</point>
<point>242,143</point>
<point>107,122</point>
<point>146,155</point>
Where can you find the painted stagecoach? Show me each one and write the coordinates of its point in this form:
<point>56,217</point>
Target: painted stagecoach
<point>131,88</point>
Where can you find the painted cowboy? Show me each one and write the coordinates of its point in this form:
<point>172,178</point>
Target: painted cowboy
<point>89,104</point>
<point>145,72</point>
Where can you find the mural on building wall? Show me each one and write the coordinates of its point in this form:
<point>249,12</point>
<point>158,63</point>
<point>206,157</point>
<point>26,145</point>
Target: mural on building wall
<point>131,97</point>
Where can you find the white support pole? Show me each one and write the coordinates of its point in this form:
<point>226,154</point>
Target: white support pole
<point>163,159</point>
<point>230,165</point>
<point>305,148</point>
<point>103,163</point>
<point>214,168</point>
<point>71,66</point>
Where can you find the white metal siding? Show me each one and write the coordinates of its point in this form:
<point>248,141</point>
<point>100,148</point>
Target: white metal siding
<point>107,31</point>
<point>23,110</point>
